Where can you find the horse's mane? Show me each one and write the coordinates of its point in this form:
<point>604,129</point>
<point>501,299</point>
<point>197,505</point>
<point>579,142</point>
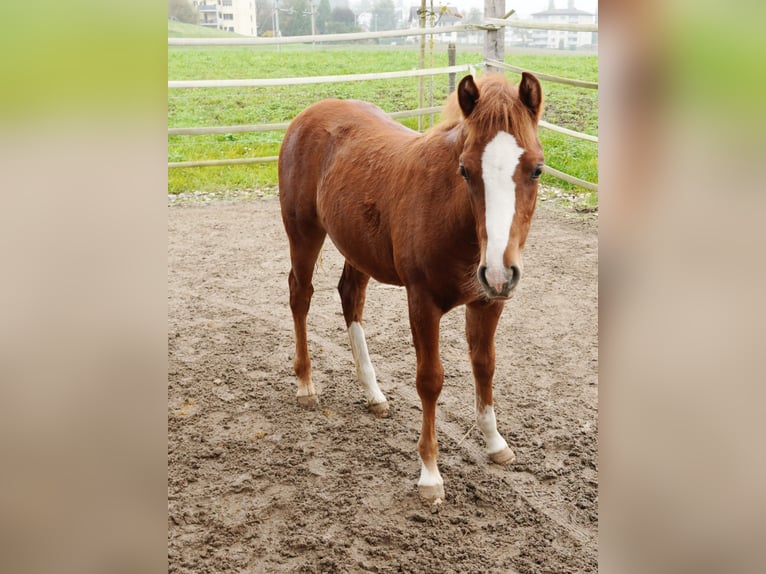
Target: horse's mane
<point>498,109</point>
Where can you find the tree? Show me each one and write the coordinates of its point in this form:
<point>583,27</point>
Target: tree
<point>384,12</point>
<point>323,16</point>
<point>295,17</point>
<point>342,20</point>
<point>183,11</point>
<point>475,16</point>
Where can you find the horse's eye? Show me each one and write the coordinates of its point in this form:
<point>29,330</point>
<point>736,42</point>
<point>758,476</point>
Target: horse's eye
<point>463,172</point>
<point>537,171</point>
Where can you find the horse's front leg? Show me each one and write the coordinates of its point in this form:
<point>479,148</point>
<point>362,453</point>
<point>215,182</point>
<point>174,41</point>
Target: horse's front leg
<point>481,320</point>
<point>424,322</point>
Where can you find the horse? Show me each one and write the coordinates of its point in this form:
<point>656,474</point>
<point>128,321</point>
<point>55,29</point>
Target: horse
<point>444,213</point>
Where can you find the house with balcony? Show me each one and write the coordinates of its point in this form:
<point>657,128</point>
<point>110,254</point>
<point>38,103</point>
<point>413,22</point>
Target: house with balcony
<point>208,12</point>
<point>563,40</point>
<point>230,15</point>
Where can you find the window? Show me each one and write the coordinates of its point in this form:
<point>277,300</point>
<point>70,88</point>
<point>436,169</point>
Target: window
<point>227,2</point>
<point>228,16</point>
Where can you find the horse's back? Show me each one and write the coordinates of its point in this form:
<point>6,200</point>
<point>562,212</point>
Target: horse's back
<point>333,114</point>
<point>331,138</point>
<point>311,138</point>
<point>336,121</point>
<point>334,172</point>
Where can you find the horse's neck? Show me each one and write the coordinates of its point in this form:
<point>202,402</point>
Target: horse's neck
<point>438,151</point>
<point>437,148</point>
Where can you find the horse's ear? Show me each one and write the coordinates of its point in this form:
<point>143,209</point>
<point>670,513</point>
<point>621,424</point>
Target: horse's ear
<point>531,94</point>
<point>467,95</point>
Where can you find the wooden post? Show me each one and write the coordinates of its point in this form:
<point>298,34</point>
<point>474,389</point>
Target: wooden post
<point>494,41</point>
<point>451,62</point>
<point>421,60</point>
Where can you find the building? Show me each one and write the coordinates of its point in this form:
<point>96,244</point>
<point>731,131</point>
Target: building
<point>230,15</point>
<point>445,16</point>
<point>562,40</point>
<point>208,12</point>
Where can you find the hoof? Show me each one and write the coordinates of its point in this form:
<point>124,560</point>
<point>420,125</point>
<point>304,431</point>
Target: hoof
<point>378,409</point>
<point>308,401</point>
<point>505,456</point>
<point>432,493</point>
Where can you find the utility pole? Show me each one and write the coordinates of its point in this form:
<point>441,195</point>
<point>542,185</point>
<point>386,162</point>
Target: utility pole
<point>313,7</point>
<point>277,32</point>
<point>313,18</point>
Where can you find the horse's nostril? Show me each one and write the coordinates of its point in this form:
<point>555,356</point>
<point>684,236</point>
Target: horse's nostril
<point>515,277</point>
<point>483,275</point>
<point>500,287</point>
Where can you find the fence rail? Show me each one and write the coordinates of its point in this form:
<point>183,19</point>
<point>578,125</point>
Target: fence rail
<point>396,115</point>
<point>490,24</point>
<point>532,25</point>
<point>282,126</point>
<point>267,82</point>
<point>349,37</point>
<point>570,178</point>
<point>566,131</point>
<point>219,162</point>
<point>543,76</point>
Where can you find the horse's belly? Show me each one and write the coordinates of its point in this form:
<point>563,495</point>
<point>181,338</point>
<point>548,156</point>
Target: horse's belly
<point>370,262</point>
<point>357,193</point>
<point>360,231</point>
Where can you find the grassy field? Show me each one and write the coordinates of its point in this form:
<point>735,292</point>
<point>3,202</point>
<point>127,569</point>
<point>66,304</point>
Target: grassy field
<point>575,108</point>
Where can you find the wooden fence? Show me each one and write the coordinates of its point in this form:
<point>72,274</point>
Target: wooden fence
<point>490,25</point>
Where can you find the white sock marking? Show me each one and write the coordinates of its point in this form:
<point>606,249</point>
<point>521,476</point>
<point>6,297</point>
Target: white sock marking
<point>499,161</point>
<point>486,421</point>
<point>429,478</point>
<point>364,370</point>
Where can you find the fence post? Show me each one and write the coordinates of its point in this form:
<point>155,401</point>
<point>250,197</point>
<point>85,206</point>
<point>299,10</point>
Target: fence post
<point>421,59</point>
<point>451,62</point>
<point>494,41</point>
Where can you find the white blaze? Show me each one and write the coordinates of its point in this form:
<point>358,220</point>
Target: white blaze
<point>499,161</point>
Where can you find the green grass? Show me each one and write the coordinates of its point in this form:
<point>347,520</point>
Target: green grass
<point>570,107</point>
<point>575,108</point>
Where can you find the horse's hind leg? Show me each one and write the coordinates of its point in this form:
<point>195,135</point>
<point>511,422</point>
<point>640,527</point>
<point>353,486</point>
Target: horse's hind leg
<point>353,289</point>
<point>305,244</point>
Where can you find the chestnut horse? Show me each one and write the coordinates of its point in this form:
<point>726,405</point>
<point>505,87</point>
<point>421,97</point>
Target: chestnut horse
<point>444,213</point>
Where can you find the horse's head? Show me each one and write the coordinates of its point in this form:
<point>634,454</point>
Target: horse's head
<point>501,161</point>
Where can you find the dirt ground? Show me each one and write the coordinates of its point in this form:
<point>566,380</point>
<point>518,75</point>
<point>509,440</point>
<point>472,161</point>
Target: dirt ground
<point>256,484</point>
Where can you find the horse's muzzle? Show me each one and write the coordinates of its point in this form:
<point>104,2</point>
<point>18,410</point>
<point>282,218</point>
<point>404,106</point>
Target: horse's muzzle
<point>500,289</point>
